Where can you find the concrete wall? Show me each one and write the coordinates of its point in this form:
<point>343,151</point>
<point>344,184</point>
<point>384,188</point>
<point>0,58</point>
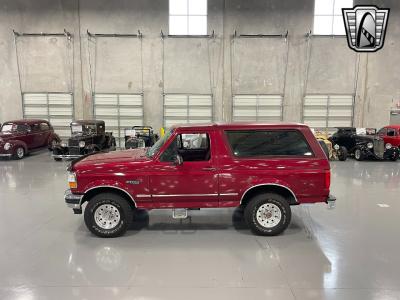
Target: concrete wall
<point>219,66</point>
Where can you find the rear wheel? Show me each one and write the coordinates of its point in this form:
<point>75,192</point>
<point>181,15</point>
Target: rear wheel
<point>108,215</point>
<point>19,152</point>
<point>342,153</point>
<point>358,154</point>
<point>268,214</point>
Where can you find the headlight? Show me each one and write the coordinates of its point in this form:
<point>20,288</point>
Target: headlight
<point>82,144</point>
<point>336,147</point>
<point>63,144</point>
<point>388,146</point>
<point>7,146</point>
<point>370,145</point>
<point>72,181</point>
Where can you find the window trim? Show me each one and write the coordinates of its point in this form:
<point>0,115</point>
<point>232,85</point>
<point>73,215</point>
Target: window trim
<point>232,155</point>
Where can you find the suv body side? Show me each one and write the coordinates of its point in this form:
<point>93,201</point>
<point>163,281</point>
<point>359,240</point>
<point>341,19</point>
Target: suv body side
<point>221,181</point>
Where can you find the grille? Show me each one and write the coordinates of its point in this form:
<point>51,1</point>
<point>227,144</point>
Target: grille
<point>74,151</point>
<point>379,147</point>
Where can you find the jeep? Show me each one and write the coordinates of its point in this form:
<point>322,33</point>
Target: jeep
<point>261,168</point>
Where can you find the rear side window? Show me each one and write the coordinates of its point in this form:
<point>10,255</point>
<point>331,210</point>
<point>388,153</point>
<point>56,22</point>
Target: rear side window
<point>253,143</point>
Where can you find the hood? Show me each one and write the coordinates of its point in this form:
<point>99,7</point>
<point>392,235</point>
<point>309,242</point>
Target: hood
<point>366,138</point>
<point>109,159</point>
<point>8,135</point>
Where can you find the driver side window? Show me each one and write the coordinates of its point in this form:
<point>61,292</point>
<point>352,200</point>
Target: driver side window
<point>191,146</point>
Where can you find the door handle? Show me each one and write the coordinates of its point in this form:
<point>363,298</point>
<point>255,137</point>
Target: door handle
<point>209,169</point>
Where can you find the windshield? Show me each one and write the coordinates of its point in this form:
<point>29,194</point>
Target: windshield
<point>80,129</point>
<point>10,127</point>
<point>157,146</point>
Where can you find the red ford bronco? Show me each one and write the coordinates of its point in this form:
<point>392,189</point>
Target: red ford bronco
<point>264,168</point>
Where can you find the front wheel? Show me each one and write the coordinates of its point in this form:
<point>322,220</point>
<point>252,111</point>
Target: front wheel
<point>358,154</point>
<point>19,153</point>
<point>108,215</point>
<point>268,214</point>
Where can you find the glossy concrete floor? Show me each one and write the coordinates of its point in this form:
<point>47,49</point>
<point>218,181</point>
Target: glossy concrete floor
<point>351,252</point>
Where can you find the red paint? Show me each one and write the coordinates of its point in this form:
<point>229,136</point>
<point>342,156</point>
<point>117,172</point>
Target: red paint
<point>395,139</point>
<point>220,182</point>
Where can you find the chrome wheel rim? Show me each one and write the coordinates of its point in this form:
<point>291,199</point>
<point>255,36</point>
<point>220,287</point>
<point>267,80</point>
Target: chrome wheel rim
<point>268,215</point>
<point>20,152</point>
<point>107,216</point>
<point>357,154</point>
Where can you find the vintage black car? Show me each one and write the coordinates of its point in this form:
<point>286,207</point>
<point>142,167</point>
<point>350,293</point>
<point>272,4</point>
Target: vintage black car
<point>364,146</point>
<point>87,136</point>
<point>140,137</point>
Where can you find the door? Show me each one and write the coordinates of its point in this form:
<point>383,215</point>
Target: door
<point>37,136</point>
<point>192,184</point>
<point>391,137</point>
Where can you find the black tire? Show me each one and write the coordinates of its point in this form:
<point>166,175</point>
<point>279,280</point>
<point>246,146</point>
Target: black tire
<point>256,202</point>
<point>358,154</point>
<point>395,156</point>
<point>342,153</point>
<point>124,210</point>
<point>19,153</point>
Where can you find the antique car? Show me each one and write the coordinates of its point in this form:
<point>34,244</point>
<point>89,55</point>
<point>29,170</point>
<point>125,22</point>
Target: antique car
<point>390,134</point>
<point>261,168</point>
<point>140,137</point>
<point>332,151</point>
<point>364,146</point>
<point>18,138</point>
<point>87,136</point>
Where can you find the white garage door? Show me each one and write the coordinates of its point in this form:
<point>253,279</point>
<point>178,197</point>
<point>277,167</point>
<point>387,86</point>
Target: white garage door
<point>328,111</point>
<point>119,111</point>
<point>182,109</point>
<point>58,108</point>
<point>259,108</point>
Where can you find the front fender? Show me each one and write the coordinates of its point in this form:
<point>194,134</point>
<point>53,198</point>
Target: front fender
<point>16,143</point>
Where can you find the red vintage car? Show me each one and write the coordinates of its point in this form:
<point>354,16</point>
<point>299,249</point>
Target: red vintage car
<point>263,168</point>
<point>18,138</point>
<point>390,134</point>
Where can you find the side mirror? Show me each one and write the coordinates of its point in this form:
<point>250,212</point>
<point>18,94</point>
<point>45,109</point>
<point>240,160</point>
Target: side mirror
<point>178,160</point>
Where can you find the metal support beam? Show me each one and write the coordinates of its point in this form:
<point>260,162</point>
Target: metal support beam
<point>119,35</point>
<point>261,35</point>
<point>209,36</point>
<point>65,33</point>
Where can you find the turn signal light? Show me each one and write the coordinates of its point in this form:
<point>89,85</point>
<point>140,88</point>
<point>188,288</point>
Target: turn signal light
<point>72,181</point>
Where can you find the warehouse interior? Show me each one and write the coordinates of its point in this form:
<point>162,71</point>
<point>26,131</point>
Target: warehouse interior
<point>248,61</point>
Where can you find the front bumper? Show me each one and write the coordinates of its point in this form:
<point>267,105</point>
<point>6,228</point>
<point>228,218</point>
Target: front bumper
<point>73,200</point>
<point>331,201</point>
